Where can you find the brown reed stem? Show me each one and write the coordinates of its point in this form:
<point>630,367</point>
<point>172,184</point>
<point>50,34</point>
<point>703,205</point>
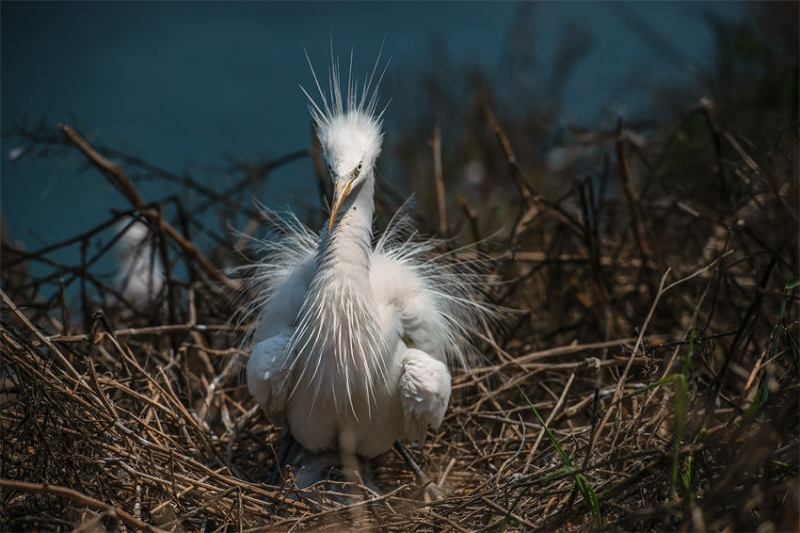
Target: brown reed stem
<point>120,180</point>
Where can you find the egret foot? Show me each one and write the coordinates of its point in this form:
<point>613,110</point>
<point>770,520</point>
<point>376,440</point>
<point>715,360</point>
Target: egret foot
<point>327,470</point>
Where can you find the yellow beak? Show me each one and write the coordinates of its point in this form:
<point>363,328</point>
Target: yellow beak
<point>341,192</point>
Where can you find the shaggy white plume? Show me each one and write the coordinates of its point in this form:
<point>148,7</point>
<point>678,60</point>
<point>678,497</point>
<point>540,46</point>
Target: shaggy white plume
<point>353,337</point>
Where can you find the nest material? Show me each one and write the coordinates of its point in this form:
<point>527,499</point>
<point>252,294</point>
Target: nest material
<point>94,437</point>
<point>659,351</point>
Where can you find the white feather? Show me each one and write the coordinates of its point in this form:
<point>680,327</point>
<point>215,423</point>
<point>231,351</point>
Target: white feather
<point>265,376</point>
<point>354,336</point>
<point>140,272</point>
<point>425,392</point>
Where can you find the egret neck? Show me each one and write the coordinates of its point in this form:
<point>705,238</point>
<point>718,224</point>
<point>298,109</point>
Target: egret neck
<point>346,249</point>
<point>346,343</point>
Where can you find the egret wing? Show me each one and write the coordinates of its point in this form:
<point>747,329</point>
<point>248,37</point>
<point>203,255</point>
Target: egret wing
<point>424,393</point>
<point>430,307</point>
<point>278,280</point>
<point>278,284</point>
<point>439,299</point>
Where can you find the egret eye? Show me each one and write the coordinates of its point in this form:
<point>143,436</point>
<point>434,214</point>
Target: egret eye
<point>358,169</point>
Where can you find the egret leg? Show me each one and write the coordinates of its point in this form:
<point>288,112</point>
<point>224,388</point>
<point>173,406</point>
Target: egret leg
<point>309,468</point>
<point>286,442</point>
<point>432,491</point>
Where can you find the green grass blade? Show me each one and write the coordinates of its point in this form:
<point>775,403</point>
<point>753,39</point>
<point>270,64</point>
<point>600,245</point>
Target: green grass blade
<point>680,418</point>
<point>762,395</point>
<point>668,379</point>
<point>589,495</point>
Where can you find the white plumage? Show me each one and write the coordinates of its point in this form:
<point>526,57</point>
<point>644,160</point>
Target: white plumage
<point>353,338</point>
<point>140,273</point>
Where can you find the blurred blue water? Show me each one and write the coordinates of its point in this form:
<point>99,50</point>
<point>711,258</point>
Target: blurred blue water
<point>182,84</point>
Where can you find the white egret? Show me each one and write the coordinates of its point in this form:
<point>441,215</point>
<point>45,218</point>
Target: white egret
<point>140,271</point>
<point>353,337</point>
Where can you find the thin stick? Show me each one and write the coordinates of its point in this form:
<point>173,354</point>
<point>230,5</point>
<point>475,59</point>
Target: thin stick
<point>505,511</point>
<point>345,508</point>
<point>448,521</point>
<point>472,216</point>
<point>62,296</point>
<point>550,418</point>
<point>82,499</point>
<point>516,170</point>
<point>152,330</point>
<point>121,180</point>
<point>41,336</point>
<point>531,199</point>
<point>621,381</point>
<point>639,232</point>
<point>436,146</point>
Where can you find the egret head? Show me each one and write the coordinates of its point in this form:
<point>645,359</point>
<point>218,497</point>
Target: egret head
<point>350,144</point>
<point>350,130</point>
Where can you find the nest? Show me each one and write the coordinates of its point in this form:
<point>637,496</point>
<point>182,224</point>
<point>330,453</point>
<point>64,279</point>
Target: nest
<point>646,378</point>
